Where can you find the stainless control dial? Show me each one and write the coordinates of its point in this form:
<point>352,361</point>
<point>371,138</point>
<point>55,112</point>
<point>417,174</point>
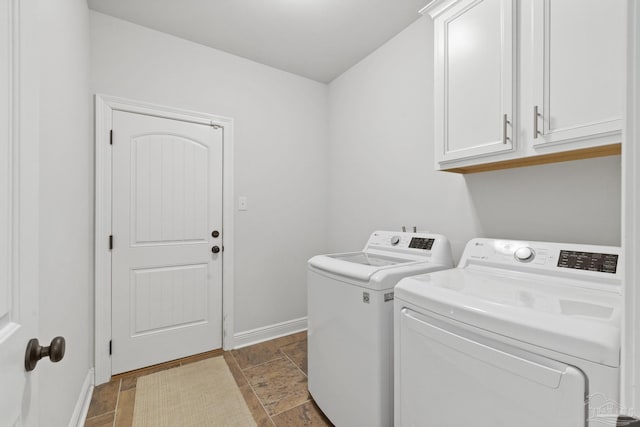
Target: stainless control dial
<point>395,240</point>
<point>524,254</point>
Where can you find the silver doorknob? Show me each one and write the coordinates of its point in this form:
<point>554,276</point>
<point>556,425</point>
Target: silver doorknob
<point>35,352</point>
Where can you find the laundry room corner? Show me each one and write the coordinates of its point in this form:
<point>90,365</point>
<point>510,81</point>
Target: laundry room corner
<point>280,161</point>
<point>381,152</point>
<point>382,163</point>
<point>186,187</point>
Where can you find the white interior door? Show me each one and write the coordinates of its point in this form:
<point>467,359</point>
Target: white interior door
<point>167,203</point>
<point>18,232</point>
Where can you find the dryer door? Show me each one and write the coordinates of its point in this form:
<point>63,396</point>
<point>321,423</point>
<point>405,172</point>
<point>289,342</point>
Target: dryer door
<point>448,378</point>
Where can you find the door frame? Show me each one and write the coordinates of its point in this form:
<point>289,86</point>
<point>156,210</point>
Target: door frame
<point>630,375</point>
<point>105,105</point>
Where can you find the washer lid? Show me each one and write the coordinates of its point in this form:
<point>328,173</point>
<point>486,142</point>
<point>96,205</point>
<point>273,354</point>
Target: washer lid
<point>554,313</point>
<point>373,260</point>
<point>358,265</point>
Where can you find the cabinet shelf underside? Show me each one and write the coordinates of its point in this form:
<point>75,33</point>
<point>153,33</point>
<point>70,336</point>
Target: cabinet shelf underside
<point>565,156</point>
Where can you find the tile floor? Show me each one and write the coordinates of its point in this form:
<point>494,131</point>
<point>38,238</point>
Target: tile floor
<point>272,377</point>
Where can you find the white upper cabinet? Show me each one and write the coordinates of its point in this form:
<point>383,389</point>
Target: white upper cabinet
<point>520,82</point>
<point>474,72</point>
<point>578,52</point>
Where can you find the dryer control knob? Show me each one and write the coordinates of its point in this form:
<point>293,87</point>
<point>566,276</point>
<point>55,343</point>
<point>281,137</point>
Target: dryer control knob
<point>524,254</point>
<point>395,240</point>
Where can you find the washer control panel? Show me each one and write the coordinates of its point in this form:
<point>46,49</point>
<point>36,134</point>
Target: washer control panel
<point>569,258</point>
<point>407,242</point>
<point>401,240</point>
<point>590,261</point>
<point>411,246</point>
<point>421,243</point>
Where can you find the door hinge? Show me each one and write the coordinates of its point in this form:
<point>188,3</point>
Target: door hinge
<point>111,137</point>
<point>110,347</point>
<point>110,242</point>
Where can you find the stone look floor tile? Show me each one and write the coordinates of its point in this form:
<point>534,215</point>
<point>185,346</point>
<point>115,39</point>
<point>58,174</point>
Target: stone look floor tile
<point>104,420</point>
<point>279,385</point>
<point>124,413</point>
<point>307,414</point>
<point>297,352</point>
<point>128,383</point>
<point>256,354</point>
<point>269,375</point>
<point>260,416</point>
<point>258,412</point>
<point>104,399</point>
<point>290,339</point>
<point>235,370</point>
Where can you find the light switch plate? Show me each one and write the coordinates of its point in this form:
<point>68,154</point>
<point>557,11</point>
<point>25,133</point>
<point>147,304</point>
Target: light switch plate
<point>242,203</point>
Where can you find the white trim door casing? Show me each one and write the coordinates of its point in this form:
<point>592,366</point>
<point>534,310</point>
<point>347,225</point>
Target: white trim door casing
<point>630,376</point>
<point>105,108</point>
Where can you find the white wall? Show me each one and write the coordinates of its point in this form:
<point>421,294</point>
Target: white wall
<point>280,151</point>
<point>66,205</point>
<point>381,167</point>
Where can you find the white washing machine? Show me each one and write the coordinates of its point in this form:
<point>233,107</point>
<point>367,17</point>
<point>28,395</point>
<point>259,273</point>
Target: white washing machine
<point>350,323</point>
<point>521,333</point>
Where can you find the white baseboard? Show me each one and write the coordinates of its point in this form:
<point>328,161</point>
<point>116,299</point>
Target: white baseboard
<point>266,333</point>
<point>84,399</point>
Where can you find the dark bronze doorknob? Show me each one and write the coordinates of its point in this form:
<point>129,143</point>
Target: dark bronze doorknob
<point>35,352</point>
<point>215,249</point>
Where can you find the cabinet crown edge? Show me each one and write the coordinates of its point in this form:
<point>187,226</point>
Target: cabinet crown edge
<point>436,7</point>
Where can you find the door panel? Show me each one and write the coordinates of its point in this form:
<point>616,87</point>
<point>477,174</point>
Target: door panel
<point>12,377</point>
<point>167,199</point>
<point>474,76</point>
<point>5,168</point>
<point>169,297</point>
<point>478,384</point>
<point>474,43</point>
<point>169,189</point>
<point>578,85</point>
<point>18,219</point>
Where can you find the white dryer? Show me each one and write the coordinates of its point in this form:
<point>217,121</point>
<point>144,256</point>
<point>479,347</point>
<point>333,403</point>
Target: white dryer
<point>350,323</point>
<point>521,333</point>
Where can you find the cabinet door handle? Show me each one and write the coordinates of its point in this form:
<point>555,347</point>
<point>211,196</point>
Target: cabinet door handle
<point>535,122</point>
<point>505,122</point>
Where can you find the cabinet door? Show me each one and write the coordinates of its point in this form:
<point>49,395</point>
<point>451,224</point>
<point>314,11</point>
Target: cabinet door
<point>579,60</point>
<point>474,80</point>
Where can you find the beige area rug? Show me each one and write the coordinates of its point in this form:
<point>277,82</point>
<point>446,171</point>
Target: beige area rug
<point>198,394</point>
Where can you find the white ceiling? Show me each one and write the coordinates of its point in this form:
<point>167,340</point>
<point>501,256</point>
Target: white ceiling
<point>318,39</point>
